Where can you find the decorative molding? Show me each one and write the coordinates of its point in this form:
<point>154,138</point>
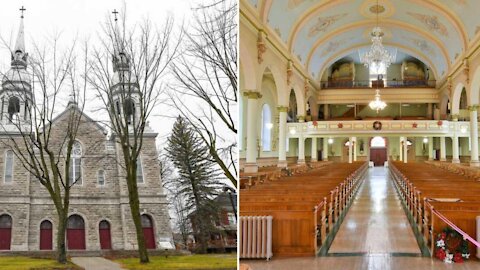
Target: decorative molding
<point>282,108</point>
<point>466,70</point>
<point>473,108</point>
<point>261,47</point>
<point>252,94</point>
<point>301,118</point>
<point>289,71</point>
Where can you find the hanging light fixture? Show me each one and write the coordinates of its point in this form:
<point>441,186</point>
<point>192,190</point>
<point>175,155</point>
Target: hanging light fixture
<point>377,54</point>
<point>377,104</point>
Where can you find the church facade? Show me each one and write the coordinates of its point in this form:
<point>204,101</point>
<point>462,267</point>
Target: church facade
<point>100,217</point>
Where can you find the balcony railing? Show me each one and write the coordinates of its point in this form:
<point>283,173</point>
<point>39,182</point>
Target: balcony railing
<point>378,84</point>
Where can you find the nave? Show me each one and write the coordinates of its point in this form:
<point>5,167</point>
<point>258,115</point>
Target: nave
<point>375,234</point>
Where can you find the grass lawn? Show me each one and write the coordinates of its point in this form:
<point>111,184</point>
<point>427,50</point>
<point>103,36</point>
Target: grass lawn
<point>26,263</point>
<point>213,261</point>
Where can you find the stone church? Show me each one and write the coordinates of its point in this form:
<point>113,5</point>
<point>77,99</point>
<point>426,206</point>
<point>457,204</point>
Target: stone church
<point>100,217</point>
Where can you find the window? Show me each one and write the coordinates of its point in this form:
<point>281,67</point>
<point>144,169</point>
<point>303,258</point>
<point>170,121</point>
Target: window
<point>75,173</point>
<point>266,128</point>
<point>377,72</point>
<point>139,171</point>
<point>13,108</point>
<point>232,220</point>
<point>8,166</point>
<point>101,178</point>
<point>378,142</point>
<point>130,111</point>
<point>117,103</point>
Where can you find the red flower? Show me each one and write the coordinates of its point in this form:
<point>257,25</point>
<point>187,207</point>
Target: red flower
<point>458,257</point>
<point>414,125</point>
<point>340,125</point>
<point>440,122</point>
<point>441,254</point>
<point>315,123</point>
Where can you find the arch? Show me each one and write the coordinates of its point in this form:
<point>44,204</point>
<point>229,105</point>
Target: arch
<point>312,108</point>
<point>378,153</point>
<point>300,95</point>
<point>378,141</point>
<point>148,231</point>
<point>278,79</point>
<point>13,107</point>
<point>46,235</point>
<point>444,106</point>
<point>292,107</point>
<point>474,92</point>
<point>457,93</point>
<point>6,224</point>
<point>76,232</point>
<point>130,111</point>
<point>104,234</point>
<point>266,128</point>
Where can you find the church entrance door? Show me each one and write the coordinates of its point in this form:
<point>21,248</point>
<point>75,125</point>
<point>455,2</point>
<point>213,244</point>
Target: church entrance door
<point>104,232</point>
<point>75,232</point>
<point>5,232</point>
<point>46,235</point>
<point>147,226</point>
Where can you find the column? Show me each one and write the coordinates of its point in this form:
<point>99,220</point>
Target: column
<point>282,136</point>
<point>405,150</point>
<point>400,149</point>
<point>354,140</point>
<point>443,149</point>
<point>429,111</point>
<point>326,113</point>
<point>430,148</point>
<point>473,136</point>
<point>301,150</point>
<point>350,154</point>
<point>314,150</point>
<point>252,116</point>
<point>455,156</point>
<point>325,149</point>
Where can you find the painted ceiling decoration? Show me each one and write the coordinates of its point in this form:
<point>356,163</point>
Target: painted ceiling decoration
<point>437,32</point>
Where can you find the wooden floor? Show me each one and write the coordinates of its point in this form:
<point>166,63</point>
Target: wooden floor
<point>376,222</point>
<point>375,234</point>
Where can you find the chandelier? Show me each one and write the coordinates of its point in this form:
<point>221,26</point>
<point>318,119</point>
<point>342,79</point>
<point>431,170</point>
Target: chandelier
<point>377,104</point>
<point>377,54</point>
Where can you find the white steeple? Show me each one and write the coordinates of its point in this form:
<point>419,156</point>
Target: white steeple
<point>19,56</point>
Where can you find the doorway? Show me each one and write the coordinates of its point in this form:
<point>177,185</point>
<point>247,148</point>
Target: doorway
<point>378,151</point>
<point>147,226</point>
<point>105,236</point>
<point>75,233</point>
<point>5,232</point>
<point>46,235</point>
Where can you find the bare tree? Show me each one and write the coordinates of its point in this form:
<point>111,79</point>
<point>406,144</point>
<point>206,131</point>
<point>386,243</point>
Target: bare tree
<point>129,89</point>
<point>33,89</point>
<point>207,71</point>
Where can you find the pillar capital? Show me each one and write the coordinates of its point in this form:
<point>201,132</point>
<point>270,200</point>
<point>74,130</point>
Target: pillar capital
<point>282,108</point>
<point>252,94</point>
<point>473,107</point>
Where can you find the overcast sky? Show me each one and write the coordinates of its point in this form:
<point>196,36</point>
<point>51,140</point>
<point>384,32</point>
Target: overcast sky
<point>83,19</point>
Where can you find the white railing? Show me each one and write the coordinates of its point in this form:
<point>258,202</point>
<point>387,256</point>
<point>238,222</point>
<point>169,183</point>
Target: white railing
<point>385,127</point>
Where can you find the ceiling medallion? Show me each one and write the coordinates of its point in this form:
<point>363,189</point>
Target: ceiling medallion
<point>377,9</point>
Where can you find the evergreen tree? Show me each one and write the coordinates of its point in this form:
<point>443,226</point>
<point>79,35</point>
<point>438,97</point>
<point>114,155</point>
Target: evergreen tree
<point>198,180</point>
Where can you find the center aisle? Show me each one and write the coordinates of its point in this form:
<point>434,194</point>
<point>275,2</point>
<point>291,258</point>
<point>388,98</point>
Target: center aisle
<point>376,221</point>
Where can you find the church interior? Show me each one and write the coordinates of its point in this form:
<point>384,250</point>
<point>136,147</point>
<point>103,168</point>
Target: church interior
<point>358,134</point>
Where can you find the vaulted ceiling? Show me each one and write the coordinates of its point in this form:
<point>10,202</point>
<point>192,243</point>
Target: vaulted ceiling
<point>319,32</point>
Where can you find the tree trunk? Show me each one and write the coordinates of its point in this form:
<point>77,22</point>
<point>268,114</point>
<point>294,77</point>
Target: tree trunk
<point>135,209</point>
<point>62,227</point>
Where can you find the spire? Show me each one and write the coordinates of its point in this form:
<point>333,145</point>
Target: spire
<point>19,57</point>
<point>120,59</point>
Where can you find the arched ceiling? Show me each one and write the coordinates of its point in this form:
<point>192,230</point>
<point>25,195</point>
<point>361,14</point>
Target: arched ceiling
<point>319,31</point>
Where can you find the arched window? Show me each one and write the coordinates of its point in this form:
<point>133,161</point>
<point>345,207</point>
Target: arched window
<point>463,100</point>
<point>8,178</point>
<point>130,111</point>
<point>75,222</point>
<point>101,177</point>
<point>139,171</point>
<point>13,107</point>
<point>292,107</point>
<point>5,221</point>
<point>378,142</point>
<point>75,173</point>
<point>266,128</point>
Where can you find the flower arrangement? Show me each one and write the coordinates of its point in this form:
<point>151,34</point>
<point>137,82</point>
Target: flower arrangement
<point>340,125</point>
<point>414,125</point>
<point>440,122</point>
<point>451,247</point>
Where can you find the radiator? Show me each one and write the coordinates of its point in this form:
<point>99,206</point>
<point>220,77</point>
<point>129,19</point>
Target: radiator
<point>256,237</point>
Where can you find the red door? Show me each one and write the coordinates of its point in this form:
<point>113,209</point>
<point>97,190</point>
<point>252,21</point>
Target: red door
<point>378,156</point>
<point>75,232</point>
<point>147,226</point>
<point>46,235</point>
<point>5,232</point>
<point>104,232</point>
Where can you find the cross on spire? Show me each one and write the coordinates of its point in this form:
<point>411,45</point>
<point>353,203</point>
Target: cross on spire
<point>22,9</point>
<point>115,12</point>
